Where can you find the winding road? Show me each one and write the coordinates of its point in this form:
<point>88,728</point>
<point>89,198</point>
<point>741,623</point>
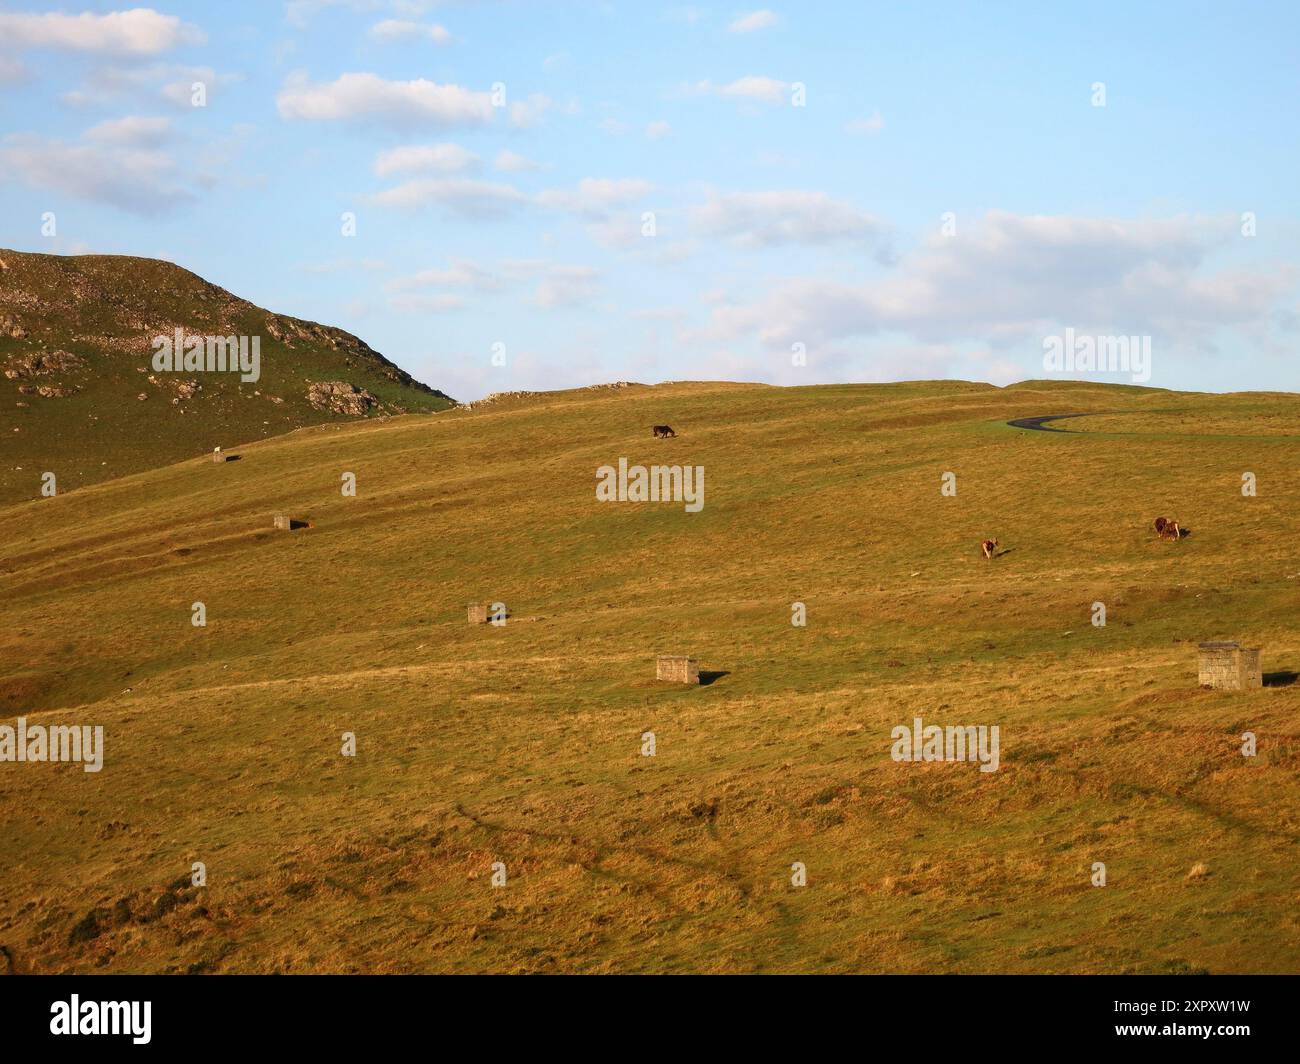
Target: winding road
<point>1040,423</point>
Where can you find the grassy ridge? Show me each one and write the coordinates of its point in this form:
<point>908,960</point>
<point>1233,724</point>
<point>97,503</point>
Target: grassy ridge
<point>521,744</point>
<point>105,310</point>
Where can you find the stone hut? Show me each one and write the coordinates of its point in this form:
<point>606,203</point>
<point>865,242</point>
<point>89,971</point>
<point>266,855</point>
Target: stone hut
<point>1229,667</point>
<point>282,521</point>
<point>478,613</point>
<point>677,670</point>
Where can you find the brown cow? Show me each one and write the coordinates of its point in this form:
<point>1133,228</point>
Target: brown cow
<point>1167,529</point>
<point>664,431</point>
<point>988,547</point>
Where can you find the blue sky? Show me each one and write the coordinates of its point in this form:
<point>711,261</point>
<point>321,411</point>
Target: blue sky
<point>775,224</point>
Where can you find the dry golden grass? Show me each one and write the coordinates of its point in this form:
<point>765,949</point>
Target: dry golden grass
<point>521,744</point>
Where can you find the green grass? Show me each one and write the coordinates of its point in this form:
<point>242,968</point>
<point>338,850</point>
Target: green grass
<point>521,744</point>
<point>106,309</point>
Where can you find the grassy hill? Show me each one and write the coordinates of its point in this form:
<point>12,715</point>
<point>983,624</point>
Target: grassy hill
<point>79,396</point>
<point>522,744</point>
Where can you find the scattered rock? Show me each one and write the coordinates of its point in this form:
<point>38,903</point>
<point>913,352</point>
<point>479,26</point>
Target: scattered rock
<point>163,904</point>
<point>340,397</point>
<point>22,367</point>
<point>497,397</point>
<point>87,928</point>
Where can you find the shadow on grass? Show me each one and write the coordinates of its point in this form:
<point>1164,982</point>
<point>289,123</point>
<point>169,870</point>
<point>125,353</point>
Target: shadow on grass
<point>707,678</point>
<point>1280,679</point>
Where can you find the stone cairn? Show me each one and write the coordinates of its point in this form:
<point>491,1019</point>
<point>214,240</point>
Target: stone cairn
<point>1229,667</point>
<point>677,670</point>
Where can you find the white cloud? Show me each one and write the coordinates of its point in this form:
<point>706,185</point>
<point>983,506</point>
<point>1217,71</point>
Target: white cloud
<point>566,286</point>
<point>134,131</point>
<point>658,130</point>
<point>460,273</point>
<point>755,20</point>
<point>428,304</point>
<point>749,89</point>
<point>556,285</point>
<point>461,196</point>
<point>616,230</point>
<point>691,16</point>
<point>344,266</point>
<point>865,126</point>
<point>12,71</point>
<point>594,197</point>
<point>509,162</point>
<point>768,219</point>
<point>138,32</point>
<point>1009,279</point>
<point>171,82</point>
<point>392,30</point>
<point>524,114</point>
<point>426,159</point>
<point>614,127</point>
<point>370,97</point>
<point>144,182</point>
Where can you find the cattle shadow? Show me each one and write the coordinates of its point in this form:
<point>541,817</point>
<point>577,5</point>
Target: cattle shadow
<point>1004,550</point>
<point>707,678</point>
<point>1285,678</point>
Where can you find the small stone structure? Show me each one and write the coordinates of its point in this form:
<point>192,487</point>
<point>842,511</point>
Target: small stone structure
<point>286,522</point>
<point>217,456</point>
<point>478,613</point>
<point>1229,667</point>
<point>677,670</point>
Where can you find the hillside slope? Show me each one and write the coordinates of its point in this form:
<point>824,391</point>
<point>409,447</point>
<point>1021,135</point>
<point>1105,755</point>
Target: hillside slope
<point>79,395</point>
<point>522,744</point>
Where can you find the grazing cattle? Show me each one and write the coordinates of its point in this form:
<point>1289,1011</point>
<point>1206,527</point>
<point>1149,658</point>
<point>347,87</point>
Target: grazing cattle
<point>988,547</point>
<point>664,431</point>
<point>1167,529</point>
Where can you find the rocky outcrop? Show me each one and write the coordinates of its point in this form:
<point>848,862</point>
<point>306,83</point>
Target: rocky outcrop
<point>340,397</point>
<point>24,367</point>
<point>499,397</point>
